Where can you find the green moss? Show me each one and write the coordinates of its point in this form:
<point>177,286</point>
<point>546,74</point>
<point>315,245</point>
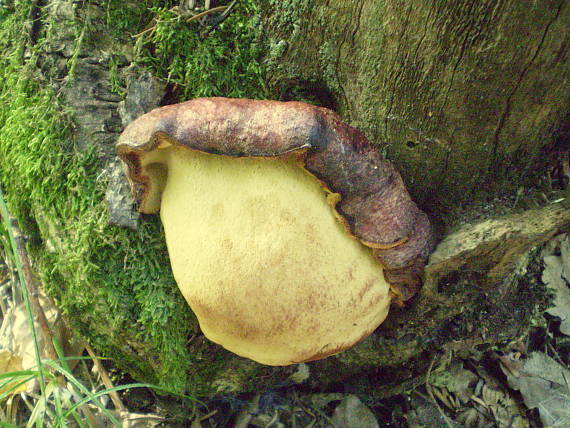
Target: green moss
<point>127,17</point>
<point>285,23</point>
<point>94,269</point>
<point>328,61</point>
<point>225,62</point>
<point>114,284</point>
<point>289,14</point>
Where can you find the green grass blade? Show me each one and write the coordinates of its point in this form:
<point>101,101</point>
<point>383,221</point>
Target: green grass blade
<point>90,397</point>
<point>14,387</point>
<point>60,354</point>
<point>59,418</point>
<point>128,386</point>
<point>7,425</point>
<point>105,392</point>
<point>16,373</point>
<point>24,286</point>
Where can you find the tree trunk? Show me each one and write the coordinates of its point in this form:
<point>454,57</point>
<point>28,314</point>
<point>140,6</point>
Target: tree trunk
<point>462,95</point>
<point>465,97</point>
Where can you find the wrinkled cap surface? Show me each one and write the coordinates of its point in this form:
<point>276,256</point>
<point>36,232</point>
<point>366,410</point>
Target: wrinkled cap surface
<point>286,229</point>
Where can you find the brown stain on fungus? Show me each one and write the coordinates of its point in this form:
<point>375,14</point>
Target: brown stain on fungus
<point>365,192</point>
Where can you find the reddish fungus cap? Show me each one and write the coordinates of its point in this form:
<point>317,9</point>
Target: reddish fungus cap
<point>367,194</point>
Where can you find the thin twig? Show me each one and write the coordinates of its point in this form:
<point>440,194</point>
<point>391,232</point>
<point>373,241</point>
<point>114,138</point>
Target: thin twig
<point>31,281</point>
<point>430,392</point>
<point>206,12</point>
<point>5,216</point>
<point>192,18</point>
<point>207,416</point>
<point>221,18</point>
<point>105,378</point>
<point>146,30</point>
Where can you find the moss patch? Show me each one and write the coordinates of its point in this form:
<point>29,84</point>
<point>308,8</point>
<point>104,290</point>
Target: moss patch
<point>225,62</point>
<point>114,284</point>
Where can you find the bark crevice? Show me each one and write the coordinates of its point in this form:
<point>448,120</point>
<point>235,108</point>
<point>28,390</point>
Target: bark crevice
<point>496,163</point>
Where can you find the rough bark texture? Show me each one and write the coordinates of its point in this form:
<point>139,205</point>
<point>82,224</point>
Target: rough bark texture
<point>462,95</point>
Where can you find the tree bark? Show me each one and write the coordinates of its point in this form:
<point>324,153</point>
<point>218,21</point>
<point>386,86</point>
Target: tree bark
<point>462,95</point>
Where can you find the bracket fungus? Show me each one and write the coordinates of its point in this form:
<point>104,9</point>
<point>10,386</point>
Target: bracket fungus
<point>288,234</point>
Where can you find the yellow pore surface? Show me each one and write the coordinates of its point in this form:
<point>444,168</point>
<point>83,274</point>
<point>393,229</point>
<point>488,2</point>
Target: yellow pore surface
<point>262,261</point>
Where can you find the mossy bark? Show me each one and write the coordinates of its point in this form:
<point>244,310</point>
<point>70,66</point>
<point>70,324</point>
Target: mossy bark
<point>463,96</point>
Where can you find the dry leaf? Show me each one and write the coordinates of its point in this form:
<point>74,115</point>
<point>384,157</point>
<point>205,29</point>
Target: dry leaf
<point>544,384</point>
<point>464,381</point>
<point>140,420</point>
<point>10,363</point>
<point>322,400</point>
<point>351,412</point>
<point>17,344</point>
<point>556,276</point>
<point>424,413</point>
<point>301,374</point>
